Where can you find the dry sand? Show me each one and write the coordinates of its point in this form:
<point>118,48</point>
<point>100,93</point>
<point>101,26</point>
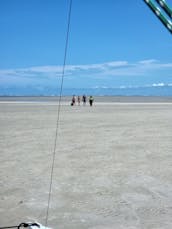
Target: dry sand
<point>113,166</point>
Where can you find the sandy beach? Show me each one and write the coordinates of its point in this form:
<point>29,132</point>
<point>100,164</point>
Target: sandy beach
<point>113,164</point>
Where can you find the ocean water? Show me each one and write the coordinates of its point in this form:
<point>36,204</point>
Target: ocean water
<point>163,90</point>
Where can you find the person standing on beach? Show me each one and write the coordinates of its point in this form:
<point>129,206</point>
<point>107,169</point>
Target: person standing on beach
<point>91,99</point>
<point>84,99</point>
<point>73,100</point>
<point>79,100</point>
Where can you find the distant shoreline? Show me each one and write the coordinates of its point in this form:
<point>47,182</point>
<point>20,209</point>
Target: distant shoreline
<point>115,99</point>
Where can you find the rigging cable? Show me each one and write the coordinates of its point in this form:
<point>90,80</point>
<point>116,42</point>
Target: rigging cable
<point>160,14</point>
<point>58,112</point>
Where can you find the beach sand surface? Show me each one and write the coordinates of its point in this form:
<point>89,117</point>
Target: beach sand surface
<point>112,169</point>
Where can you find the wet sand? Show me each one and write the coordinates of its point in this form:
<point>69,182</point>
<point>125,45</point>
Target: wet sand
<point>113,165</point>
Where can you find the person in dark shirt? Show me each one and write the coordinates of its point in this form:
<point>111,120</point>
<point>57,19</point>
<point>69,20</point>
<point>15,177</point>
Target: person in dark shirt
<point>91,99</point>
<point>73,100</point>
<point>84,99</point>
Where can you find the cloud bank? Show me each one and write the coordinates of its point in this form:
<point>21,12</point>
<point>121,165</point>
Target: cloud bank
<point>110,71</point>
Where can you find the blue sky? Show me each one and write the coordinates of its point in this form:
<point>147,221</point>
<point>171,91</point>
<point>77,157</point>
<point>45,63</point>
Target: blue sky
<point>111,44</point>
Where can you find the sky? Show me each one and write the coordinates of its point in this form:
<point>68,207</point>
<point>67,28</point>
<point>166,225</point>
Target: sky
<point>111,44</point>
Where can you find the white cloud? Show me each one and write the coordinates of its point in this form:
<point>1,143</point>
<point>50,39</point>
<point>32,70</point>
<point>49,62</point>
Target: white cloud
<point>57,70</point>
<point>94,71</point>
<point>117,63</point>
<point>158,84</point>
<point>154,64</point>
<point>45,69</point>
<point>149,61</point>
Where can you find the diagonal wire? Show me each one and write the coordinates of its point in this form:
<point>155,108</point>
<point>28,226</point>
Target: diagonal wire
<point>59,108</point>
